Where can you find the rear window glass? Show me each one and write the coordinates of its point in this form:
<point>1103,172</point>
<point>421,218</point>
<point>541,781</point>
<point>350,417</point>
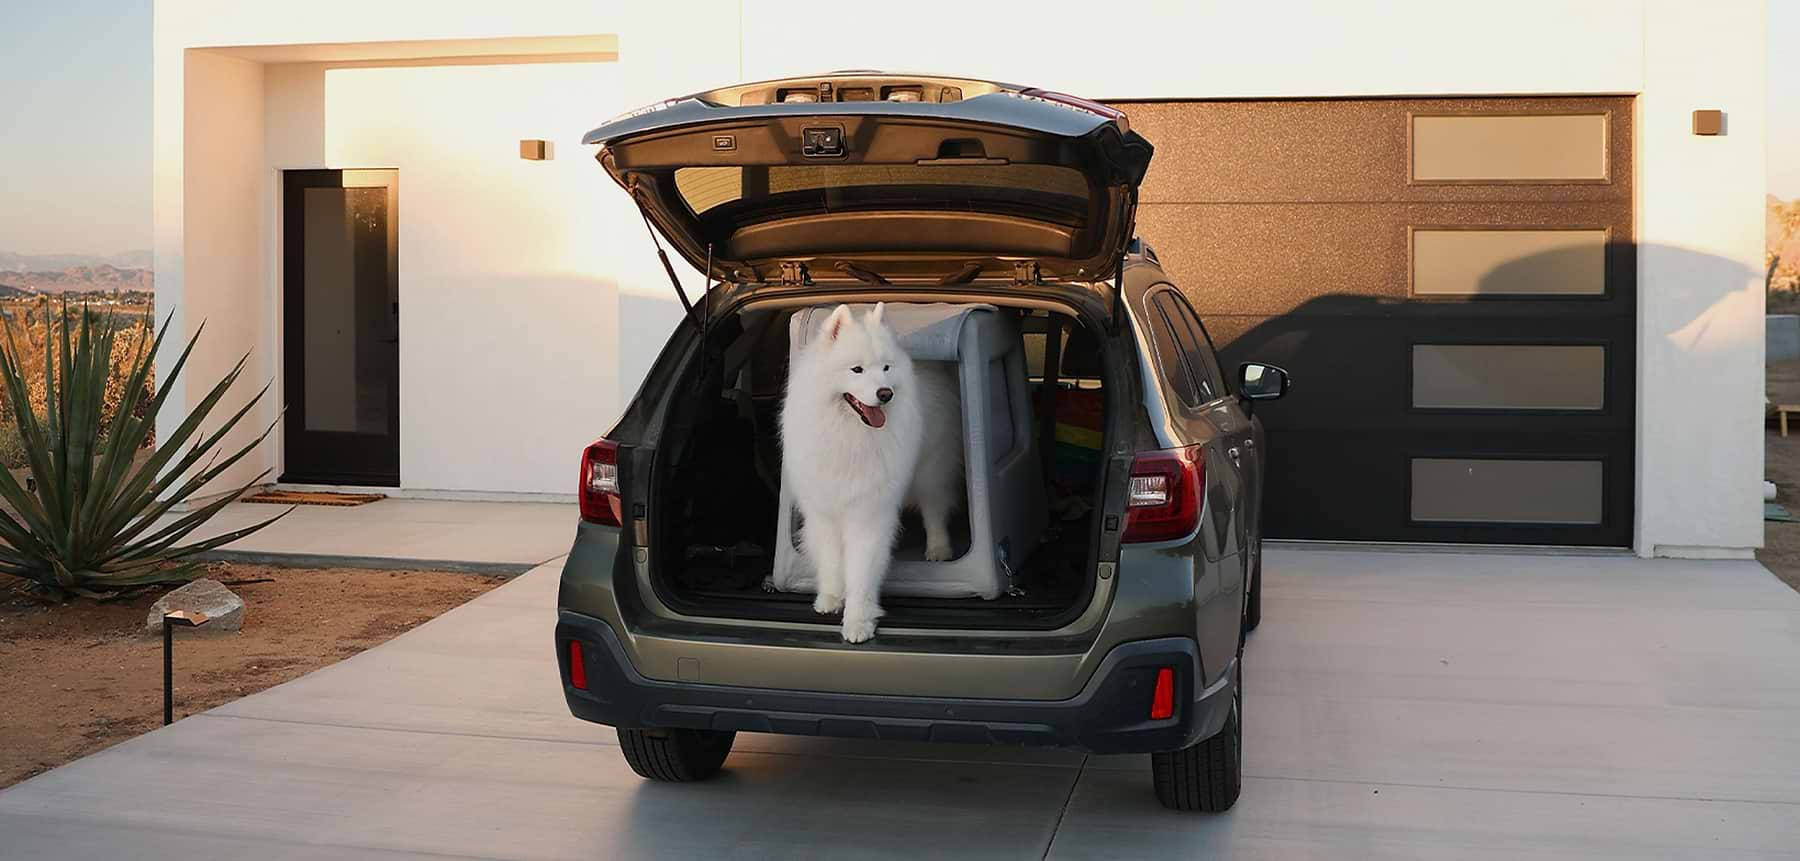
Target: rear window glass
<point>792,189</point>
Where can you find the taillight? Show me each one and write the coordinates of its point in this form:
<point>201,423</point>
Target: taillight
<point>577,667</point>
<point>1166,489</point>
<point>599,493</point>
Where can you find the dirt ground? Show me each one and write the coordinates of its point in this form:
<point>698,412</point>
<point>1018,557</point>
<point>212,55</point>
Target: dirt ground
<point>1781,541</point>
<point>84,676</point>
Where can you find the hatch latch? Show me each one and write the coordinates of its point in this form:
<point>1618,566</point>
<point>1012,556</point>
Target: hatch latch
<point>793,274</point>
<point>822,141</point>
<point>1025,273</point>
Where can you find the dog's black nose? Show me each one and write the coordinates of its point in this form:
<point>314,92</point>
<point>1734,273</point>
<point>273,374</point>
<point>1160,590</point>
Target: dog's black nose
<point>884,394</point>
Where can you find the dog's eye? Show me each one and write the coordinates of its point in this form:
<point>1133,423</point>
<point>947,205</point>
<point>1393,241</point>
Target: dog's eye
<point>885,367</point>
<point>856,370</point>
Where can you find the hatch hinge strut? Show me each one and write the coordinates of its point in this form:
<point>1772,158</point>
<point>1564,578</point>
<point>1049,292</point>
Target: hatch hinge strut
<point>1025,273</point>
<point>669,268</point>
<point>793,274</point>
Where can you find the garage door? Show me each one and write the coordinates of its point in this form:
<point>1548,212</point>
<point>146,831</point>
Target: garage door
<point>1451,284</point>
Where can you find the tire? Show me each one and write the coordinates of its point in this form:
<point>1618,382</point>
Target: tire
<point>675,755</point>
<point>1208,775</point>
<point>1253,603</point>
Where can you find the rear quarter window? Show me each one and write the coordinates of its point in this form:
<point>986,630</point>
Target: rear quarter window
<point>1169,363</point>
<point>1196,347</point>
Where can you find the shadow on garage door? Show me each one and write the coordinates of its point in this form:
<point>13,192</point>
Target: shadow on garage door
<point>1451,283</point>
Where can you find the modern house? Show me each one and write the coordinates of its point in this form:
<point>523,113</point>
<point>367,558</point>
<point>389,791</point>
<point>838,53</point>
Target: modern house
<point>1511,252</point>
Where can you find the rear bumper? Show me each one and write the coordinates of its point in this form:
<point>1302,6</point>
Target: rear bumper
<point>1109,715</point>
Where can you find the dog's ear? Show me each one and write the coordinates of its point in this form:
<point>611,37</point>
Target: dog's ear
<point>834,325</point>
<point>877,316</point>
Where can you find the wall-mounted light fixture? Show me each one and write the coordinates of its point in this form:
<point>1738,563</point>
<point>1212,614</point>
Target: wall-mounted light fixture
<point>1709,122</point>
<point>536,150</point>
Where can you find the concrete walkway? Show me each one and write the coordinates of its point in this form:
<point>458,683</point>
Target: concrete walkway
<point>1398,706</point>
<point>488,537</point>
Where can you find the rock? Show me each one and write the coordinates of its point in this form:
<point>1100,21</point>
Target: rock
<point>223,609</point>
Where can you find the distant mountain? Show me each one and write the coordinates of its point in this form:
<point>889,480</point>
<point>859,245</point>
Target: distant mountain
<point>76,279</point>
<point>14,262</point>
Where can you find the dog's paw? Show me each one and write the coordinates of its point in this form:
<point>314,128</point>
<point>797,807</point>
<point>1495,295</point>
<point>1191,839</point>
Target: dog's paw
<point>858,630</point>
<point>939,553</point>
<point>825,604</point>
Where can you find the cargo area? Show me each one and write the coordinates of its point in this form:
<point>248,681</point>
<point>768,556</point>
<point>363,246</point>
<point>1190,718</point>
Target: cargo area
<point>717,498</point>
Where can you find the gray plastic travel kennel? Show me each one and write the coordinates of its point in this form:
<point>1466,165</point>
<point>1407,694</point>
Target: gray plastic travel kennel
<point>1005,506</point>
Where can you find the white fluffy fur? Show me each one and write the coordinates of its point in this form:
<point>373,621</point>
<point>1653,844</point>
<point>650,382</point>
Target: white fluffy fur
<point>850,480</point>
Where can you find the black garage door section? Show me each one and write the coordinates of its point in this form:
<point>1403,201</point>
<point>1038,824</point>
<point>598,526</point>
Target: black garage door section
<point>1450,282</point>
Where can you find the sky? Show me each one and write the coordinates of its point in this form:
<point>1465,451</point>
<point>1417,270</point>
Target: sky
<point>76,152</point>
<point>75,155</point>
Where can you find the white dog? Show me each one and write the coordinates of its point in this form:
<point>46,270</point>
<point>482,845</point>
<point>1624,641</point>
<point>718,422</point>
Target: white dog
<point>863,433</point>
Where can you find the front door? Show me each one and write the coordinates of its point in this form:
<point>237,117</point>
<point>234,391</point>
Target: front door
<point>341,312</point>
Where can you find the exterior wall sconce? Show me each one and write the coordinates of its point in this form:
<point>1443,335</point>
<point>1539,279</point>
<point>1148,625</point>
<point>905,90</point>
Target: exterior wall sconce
<point>1709,123</point>
<point>536,150</point>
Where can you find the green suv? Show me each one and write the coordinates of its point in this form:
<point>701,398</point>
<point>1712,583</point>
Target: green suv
<point>1121,622</point>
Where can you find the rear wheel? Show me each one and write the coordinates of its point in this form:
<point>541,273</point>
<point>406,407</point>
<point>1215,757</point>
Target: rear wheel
<point>675,755</point>
<point>1206,776</point>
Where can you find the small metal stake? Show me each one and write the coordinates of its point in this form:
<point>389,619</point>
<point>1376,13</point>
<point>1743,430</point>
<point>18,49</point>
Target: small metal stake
<point>170,620</point>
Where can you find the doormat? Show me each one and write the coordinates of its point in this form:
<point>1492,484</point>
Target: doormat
<point>313,497</point>
<point>1774,512</point>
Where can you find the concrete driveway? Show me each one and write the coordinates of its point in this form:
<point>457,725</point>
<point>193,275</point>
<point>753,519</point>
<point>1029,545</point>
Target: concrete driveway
<point>1398,705</point>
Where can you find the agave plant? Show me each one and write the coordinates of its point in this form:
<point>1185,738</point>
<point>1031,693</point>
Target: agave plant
<point>91,524</point>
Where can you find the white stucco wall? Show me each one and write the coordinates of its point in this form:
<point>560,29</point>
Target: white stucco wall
<point>210,251</point>
<point>508,323</point>
<point>531,303</point>
<point>1700,287</point>
<point>1144,49</point>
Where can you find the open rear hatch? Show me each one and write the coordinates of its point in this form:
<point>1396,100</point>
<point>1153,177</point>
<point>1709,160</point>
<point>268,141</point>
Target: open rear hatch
<point>902,186</point>
<point>883,178</point>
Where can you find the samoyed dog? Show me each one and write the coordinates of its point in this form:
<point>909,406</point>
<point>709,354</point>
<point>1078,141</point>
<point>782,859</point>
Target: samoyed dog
<point>865,432</point>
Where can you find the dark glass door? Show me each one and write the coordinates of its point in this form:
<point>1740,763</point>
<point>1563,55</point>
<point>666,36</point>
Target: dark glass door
<point>341,326</point>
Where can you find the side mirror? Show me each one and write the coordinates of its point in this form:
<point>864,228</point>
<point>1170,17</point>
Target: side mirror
<point>1259,382</point>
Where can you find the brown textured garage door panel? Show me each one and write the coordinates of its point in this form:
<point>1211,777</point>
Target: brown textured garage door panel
<point>1262,259</point>
<point>1337,150</point>
<point>1289,226</point>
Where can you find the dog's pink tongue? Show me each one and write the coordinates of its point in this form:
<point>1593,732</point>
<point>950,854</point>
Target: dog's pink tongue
<point>871,415</point>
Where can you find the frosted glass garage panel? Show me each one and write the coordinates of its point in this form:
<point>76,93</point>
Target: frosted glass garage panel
<point>1509,376</point>
<point>1469,490</point>
<point>1569,147</point>
<point>1508,262</point>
